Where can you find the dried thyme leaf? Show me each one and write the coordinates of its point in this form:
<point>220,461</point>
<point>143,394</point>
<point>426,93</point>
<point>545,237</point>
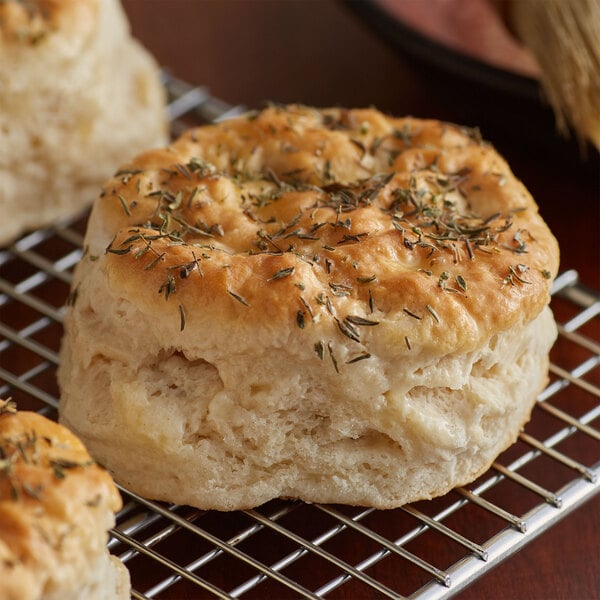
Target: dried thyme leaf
<point>348,330</point>
<point>181,318</point>
<point>358,358</point>
<point>282,273</point>
<point>168,287</point>
<point>432,313</point>
<point>519,271</point>
<point>238,298</point>
<point>153,262</point>
<point>333,359</point>
<point>443,279</point>
<point>34,492</point>
<point>124,205</point>
<point>128,172</point>
<point>320,349</point>
<point>61,465</point>
<point>183,169</point>
<point>358,320</point>
<point>8,406</point>
<point>14,490</point>
<point>72,297</point>
<point>412,314</point>
<point>95,501</point>
<point>119,251</point>
<point>513,274</point>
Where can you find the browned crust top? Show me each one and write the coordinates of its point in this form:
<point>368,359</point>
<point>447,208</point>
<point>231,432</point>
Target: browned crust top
<point>300,216</point>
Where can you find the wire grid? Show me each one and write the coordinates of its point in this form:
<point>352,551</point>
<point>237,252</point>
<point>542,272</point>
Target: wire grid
<point>291,549</point>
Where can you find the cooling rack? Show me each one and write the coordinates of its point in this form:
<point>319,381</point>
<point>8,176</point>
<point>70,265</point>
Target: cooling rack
<point>288,549</point>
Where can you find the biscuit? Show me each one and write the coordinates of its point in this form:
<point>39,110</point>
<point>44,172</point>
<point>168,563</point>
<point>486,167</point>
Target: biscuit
<point>56,506</point>
<point>78,96</point>
<point>332,305</point>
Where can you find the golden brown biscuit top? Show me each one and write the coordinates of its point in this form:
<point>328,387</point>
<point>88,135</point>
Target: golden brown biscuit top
<point>29,22</point>
<point>50,490</point>
<point>300,216</point>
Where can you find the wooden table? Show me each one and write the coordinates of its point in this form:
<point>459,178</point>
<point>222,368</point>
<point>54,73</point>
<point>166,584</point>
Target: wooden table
<point>318,52</point>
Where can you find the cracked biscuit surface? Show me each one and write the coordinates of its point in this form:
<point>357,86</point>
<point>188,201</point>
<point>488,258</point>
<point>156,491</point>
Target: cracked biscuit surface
<point>333,305</point>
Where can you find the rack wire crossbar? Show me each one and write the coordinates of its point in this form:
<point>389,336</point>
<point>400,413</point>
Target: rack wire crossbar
<point>288,548</point>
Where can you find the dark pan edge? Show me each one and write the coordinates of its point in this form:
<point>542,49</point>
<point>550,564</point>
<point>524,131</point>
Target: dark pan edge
<point>403,37</point>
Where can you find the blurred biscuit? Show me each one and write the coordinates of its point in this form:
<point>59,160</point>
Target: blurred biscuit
<point>78,96</point>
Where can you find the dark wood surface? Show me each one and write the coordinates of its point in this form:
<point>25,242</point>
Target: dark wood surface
<point>320,52</point>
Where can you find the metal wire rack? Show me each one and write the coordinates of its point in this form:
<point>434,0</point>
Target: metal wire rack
<point>291,549</point>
